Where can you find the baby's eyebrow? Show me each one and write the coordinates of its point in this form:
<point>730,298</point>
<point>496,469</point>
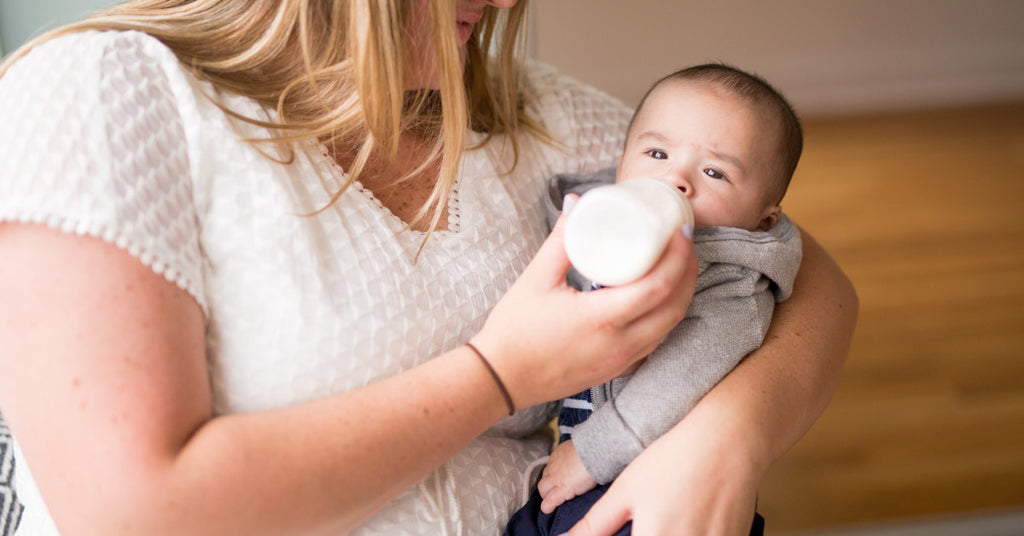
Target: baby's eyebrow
<point>653,135</point>
<point>729,158</point>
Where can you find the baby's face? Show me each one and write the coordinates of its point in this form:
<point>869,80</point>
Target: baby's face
<point>714,147</point>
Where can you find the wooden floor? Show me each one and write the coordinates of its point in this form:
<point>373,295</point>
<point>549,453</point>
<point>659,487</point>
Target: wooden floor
<point>925,212</point>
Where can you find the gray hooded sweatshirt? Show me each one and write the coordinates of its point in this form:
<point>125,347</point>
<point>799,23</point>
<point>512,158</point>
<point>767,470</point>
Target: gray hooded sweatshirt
<point>741,275</point>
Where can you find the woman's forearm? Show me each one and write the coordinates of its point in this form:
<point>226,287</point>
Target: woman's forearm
<point>775,395</point>
<point>359,449</point>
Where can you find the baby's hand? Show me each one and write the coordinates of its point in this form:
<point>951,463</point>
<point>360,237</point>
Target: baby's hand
<point>563,478</point>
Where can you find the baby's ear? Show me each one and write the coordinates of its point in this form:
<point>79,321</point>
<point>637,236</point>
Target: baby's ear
<point>770,217</point>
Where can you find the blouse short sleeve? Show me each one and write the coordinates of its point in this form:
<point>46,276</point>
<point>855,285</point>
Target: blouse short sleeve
<point>92,143</point>
<point>589,123</point>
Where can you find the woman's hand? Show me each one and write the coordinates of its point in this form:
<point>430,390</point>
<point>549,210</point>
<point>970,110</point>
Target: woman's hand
<point>547,341</point>
<point>686,482</point>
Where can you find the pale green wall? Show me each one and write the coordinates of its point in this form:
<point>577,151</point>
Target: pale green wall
<point>22,19</point>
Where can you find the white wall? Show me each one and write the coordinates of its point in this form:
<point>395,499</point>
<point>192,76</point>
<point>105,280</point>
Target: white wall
<point>827,56</point>
<point>22,19</point>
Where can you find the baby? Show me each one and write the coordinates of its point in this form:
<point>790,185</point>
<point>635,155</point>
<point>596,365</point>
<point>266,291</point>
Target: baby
<point>730,143</point>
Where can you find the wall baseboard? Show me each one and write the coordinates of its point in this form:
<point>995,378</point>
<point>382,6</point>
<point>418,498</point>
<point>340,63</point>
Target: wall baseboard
<point>996,523</point>
<point>865,96</point>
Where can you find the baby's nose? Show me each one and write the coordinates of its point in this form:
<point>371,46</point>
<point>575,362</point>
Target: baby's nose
<point>683,183</point>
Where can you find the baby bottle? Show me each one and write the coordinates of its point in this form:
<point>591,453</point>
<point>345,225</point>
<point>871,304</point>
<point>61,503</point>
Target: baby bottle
<point>614,234</point>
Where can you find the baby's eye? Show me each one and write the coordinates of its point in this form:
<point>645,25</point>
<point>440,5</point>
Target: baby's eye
<point>714,173</point>
<point>657,154</point>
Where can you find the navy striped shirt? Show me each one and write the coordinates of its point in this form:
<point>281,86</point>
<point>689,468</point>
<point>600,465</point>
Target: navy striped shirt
<point>575,410</point>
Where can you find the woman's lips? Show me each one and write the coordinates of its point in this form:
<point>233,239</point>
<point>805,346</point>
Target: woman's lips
<point>464,23</point>
<point>464,29</point>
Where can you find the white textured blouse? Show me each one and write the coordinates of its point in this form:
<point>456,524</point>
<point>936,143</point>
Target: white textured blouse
<point>105,134</point>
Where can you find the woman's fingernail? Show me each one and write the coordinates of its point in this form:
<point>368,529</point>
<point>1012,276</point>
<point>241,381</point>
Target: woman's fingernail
<point>688,231</point>
<point>567,202</point>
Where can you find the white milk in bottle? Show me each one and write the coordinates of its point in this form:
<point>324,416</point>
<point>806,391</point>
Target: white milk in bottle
<point>614,234</point>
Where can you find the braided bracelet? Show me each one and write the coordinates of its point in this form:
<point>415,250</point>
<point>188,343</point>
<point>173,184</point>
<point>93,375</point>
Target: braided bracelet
<point>497,379</point>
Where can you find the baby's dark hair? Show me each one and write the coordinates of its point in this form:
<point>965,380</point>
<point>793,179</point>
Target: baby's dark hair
<point>758,92</point>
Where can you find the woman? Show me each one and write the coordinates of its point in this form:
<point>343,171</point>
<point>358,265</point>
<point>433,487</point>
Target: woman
<point>284,220</point>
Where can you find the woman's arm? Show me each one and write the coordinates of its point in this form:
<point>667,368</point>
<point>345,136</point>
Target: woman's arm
<point>104,381</point>
<point>702,476</point>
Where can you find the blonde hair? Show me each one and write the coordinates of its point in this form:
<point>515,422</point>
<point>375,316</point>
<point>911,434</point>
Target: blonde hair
<point>333,70</point>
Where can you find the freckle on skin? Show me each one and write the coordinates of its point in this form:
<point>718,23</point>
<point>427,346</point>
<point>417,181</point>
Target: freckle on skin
<point>76,382</point>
